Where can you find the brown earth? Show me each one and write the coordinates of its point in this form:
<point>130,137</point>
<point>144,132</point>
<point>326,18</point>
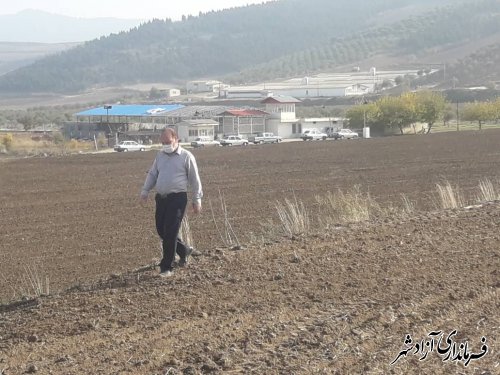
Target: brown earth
<point>338,300</point>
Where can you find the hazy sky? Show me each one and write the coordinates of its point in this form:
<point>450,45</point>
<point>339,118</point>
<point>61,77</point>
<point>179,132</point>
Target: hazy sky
<point>137,9</point>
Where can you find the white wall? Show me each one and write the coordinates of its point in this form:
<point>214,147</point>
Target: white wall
<point>173,92</point>
<point>202,86</point>
<point>244,94</point>
<point>310,91</point>
<point>183,133</point>
<point>282,111</point>
<point>283,129</point>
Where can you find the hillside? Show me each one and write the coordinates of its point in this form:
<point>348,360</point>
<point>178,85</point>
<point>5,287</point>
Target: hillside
<point>293,36</point>
<point>442,36</point>
<point>479,68</point>
<point>14,55</point>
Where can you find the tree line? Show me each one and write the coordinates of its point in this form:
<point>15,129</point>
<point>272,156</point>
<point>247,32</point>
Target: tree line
<point>403,111</point>
<point>34,117</point>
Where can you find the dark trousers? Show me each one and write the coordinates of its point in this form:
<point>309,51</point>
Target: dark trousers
<point>169,213</point>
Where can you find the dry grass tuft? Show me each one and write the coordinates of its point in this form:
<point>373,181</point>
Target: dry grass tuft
<point>351,207</point>
<point>32,283</point>
<point>449,197</point>
<point>185,232</point>
<point>408,206</point>
<point>225,230</point>
<point>487,191</point>
<point>293,216</point>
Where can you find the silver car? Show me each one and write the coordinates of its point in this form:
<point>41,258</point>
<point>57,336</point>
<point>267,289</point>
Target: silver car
<point>345,134</point>
<point>125,146</point>
<point>233,140</point>
<point>313,135</point>
<point>204,141</point>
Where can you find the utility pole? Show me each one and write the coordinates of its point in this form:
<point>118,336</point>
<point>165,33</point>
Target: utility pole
<point>366,130</point>
<point>107,108</point>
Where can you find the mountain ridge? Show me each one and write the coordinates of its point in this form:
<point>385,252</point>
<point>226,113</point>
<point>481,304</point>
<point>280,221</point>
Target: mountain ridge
<point>259,42</point>
<point>37,26</point>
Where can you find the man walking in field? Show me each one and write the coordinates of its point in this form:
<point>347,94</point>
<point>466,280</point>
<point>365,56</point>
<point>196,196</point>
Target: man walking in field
<point>173,170</point>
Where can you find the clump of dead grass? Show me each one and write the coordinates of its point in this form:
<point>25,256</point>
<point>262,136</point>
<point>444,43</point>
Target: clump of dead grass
<point>185,232</point>
<point>293,215</point>
<point>348,207</point>
<point>488,191</point>
<point>449,197</point>
<point>31,284</point>
<point>409,207</point>
<point>223,224</point>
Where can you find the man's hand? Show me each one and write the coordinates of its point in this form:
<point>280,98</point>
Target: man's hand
<point>196,208</point>
<point>143,199</point>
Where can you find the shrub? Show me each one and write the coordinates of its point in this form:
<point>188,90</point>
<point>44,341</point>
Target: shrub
<point>58,138</point>
<point>102,141</point>
<point>7,141</point>
<point>73,144</point>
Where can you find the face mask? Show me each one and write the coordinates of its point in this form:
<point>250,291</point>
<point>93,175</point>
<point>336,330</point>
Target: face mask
<point>168,149</point>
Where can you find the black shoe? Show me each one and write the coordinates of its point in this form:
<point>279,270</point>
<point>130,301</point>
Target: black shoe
<point>185,259</point>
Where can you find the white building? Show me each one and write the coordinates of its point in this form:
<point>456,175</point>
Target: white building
<point>238,93</point>
<point>170,93</point>
<point>243,121</point>
<point>282,120</point>
<point>189,130</point>
<point>325,85</point>
<point>193,87</point>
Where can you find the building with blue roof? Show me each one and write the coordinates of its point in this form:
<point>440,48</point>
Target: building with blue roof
<point>143,123</point>
<point>129,110</point>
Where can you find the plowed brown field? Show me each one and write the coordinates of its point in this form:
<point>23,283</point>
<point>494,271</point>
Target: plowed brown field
<point>339,300</point>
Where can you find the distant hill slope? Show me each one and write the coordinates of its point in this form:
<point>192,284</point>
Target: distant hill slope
<point>442,36</point>
<point>15,55</point>
<point>479,68</point>
<point>276,39</point>
<point>35,26</point>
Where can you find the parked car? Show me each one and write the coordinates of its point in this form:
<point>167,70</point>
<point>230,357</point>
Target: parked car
<point>125,146</point>
<point>345,134</point>
<point>313,134</point>
<point>205,141</point>
<point>260,138</point>
<point>233,140</point>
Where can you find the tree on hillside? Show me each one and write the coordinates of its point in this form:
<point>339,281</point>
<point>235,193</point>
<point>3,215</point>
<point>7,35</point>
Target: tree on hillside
<point>431,107</point>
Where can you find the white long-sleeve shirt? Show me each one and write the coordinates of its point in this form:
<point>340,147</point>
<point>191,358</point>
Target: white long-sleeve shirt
<point>172,173</point>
